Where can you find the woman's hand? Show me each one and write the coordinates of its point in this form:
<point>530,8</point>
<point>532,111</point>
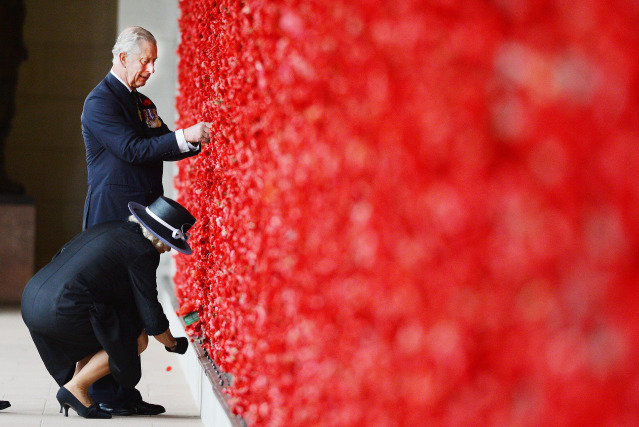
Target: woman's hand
<point>171,344</point>
<point>180,347</point>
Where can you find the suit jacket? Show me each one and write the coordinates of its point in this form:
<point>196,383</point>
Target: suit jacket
<point>99,291</point>
<point>126,144</point>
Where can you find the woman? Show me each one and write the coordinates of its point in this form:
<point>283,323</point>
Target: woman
<point>91,309</point>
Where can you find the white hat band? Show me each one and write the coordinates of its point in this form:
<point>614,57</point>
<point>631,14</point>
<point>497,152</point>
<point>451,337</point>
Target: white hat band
<point>177,233</point>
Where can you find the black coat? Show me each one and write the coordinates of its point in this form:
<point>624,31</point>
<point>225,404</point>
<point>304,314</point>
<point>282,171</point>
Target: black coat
<point>99,291</point>
<point>126,144</point>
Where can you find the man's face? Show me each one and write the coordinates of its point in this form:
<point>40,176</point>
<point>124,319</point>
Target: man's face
<point>140,67</point>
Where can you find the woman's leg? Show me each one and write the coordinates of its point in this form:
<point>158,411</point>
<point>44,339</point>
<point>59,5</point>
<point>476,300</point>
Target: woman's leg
<point>88,370</point>
<point>81,364</point>
<point>92,368</point>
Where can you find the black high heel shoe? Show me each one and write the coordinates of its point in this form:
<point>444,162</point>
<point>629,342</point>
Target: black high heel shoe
<point>68,400</point>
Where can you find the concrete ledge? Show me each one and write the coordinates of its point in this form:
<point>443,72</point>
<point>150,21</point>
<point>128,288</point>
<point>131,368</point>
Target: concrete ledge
<point>205,380</point>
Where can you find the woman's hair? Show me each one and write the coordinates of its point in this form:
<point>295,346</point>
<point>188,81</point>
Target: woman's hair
<point>159,244</point>
<point>129,41</point>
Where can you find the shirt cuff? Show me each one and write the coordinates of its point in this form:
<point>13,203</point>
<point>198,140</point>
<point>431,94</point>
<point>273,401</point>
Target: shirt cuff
<point>183,145</point>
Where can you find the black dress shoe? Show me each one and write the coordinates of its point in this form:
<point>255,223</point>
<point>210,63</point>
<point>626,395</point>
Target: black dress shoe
<point>116,410</point>
<point>140,408</point>
<point>143,408</point>
<point>4,404</point>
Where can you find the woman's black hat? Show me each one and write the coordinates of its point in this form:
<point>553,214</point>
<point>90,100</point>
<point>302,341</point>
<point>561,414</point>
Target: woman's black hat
<point>167,220</point>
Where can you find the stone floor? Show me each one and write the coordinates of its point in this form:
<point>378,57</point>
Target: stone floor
<point>25,382</point>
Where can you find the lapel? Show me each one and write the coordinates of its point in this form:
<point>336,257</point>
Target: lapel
<point>126,98</point>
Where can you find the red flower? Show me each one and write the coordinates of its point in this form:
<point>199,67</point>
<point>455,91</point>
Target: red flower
<point>186,308</point>
<point>414,213</point>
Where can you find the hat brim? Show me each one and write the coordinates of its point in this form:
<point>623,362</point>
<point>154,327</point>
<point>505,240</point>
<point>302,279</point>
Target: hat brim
<point>157,229</point>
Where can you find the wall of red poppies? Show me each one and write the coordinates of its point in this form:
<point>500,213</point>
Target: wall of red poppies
<point>415,212</point>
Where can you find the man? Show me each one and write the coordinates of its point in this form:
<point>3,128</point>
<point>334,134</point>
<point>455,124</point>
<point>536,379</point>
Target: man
<point>126,145</point>
<point>126,141</point>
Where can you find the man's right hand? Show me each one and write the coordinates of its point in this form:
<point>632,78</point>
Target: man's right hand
<point>199,133</point>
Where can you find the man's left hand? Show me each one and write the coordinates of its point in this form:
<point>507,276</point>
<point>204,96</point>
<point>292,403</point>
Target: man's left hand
<point>199,133</point>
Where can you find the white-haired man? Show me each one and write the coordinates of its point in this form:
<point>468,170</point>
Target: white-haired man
<point>126,145</point>
<point>126,141</point>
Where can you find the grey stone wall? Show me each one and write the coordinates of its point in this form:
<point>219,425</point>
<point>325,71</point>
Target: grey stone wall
<point>69,44</point>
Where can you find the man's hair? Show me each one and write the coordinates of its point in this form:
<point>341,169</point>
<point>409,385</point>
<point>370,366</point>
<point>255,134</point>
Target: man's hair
<point>156,242</point>
<point>129,41</point>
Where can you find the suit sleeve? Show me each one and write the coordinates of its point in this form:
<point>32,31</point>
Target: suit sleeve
<point>185,155</point>
<point>142,277</point>
<point>105,118</point>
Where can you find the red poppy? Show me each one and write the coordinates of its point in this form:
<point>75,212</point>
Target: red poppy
<point>146,102</point>
<point>415,212</point>
<point>186,308</point>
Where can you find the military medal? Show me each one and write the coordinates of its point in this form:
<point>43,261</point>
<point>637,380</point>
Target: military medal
<point>151,117</point>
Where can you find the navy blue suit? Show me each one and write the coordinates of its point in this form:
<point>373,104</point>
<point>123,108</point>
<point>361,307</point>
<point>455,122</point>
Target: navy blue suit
<point>126,144</point>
